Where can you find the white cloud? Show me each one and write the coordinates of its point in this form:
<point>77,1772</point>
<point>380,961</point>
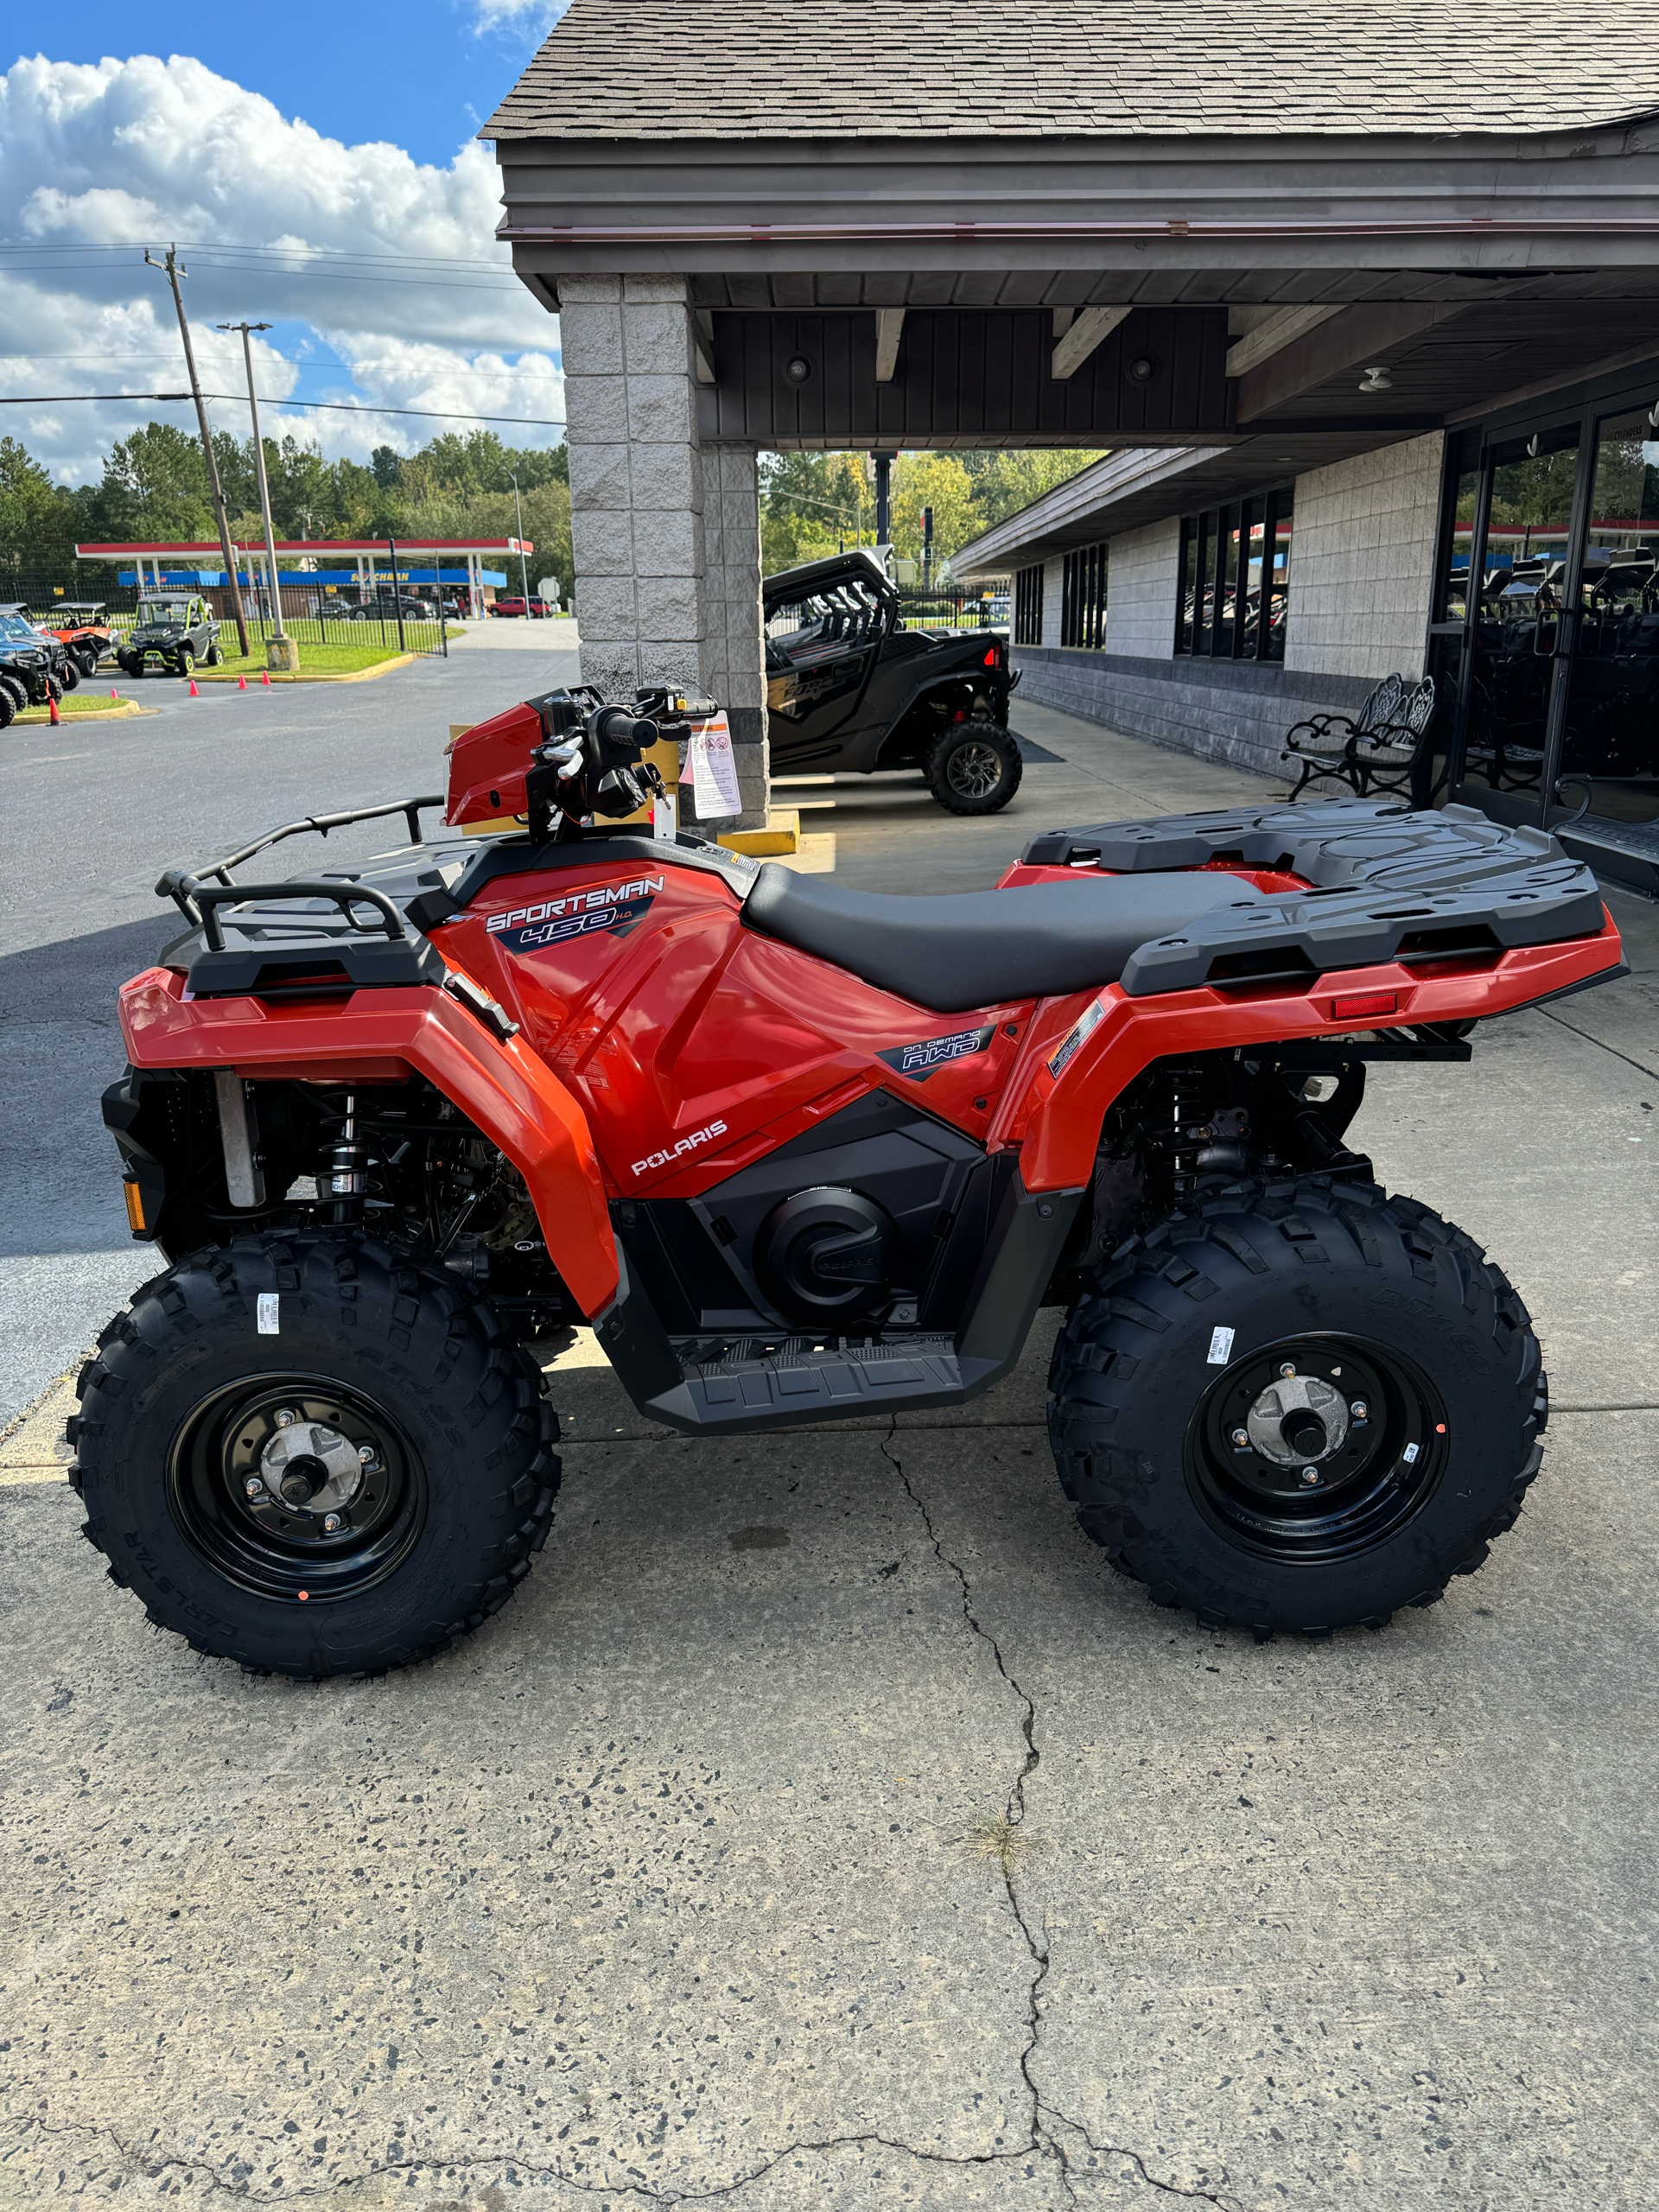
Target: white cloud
<point>426,311</point>
<point>531,18</point>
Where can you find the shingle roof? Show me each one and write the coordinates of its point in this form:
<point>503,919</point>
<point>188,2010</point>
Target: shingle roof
<point>723,69</point>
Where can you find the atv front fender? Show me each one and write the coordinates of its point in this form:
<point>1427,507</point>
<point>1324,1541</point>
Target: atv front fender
<point>384,1036</point>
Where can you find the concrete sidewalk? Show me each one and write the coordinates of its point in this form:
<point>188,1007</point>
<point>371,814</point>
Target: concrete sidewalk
<point>693,1875</point>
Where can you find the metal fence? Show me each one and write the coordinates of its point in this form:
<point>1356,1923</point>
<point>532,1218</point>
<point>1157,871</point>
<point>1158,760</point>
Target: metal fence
<point>949,610</point>
<point>311,615</point>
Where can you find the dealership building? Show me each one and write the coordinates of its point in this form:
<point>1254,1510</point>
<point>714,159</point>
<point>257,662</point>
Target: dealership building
<point>1363,305</point>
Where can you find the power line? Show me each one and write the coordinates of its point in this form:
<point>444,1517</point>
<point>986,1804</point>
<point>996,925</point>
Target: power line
<point>329,406</point>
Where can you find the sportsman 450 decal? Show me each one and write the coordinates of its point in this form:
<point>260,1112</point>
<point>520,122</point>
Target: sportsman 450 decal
<point>918,1061</point>
<point>614,906</point>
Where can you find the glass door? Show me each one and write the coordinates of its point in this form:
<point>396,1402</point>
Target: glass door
<point>1610,752</point>
<point>1519,639</point>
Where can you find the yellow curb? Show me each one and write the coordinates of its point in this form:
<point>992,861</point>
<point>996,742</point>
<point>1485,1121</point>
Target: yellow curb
<point>781,835</point>
<point>322,675</point>
<point>111,712</point>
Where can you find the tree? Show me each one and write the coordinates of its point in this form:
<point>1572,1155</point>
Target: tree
<point>937,481</point>
<point>1005,482</point>
<point>156,486</point>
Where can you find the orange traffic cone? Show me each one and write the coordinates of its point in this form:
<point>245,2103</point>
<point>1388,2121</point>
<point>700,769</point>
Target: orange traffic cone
<point>265,678</point>
<point>56,716</point>
<point>241,683</point>
<point>194,693</point>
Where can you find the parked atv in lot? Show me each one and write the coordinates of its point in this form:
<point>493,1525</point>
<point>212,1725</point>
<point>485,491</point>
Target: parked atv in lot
<point>81,627</point>
<point>850,689</point>
<point>177,631</point>
<point>800,1153</point>
<point>30,667</point>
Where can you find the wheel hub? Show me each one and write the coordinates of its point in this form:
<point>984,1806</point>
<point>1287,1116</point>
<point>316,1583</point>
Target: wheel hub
<point>1298,1421</point>
<point>311,1467</point>
<point>972,770</point>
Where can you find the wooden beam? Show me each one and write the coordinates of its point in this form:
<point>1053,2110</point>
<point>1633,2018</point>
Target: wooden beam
<point>702,346</point>
<point>889,325</point>
<point>1275,334</point>
<point>1087,328</point>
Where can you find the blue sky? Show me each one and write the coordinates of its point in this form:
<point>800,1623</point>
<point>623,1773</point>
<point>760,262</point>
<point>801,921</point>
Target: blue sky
<point>320,172</point>
<point>423,76</point>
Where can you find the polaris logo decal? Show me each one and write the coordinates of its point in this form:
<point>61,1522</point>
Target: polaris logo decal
<point>678,1151</point>
<point>919,1060</point>
<point>614,906</point>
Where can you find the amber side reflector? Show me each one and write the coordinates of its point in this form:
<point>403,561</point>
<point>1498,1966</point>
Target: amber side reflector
<point>136,1208</point>
<point>1361,1005</point>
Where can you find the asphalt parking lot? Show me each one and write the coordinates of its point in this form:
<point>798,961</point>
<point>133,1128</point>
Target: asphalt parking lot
<point>825,1825</point>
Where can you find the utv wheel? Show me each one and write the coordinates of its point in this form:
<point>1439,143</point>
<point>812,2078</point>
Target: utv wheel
<point>15,691</point>
<point>87,664</point>
<point>1298,1405</point>
<point>212,658</point>
<point>186,662</point>
<point>53,689</point>
<point>70,674</point>
<point>347,1494</point>
<point>8,707</point>
<point>974,768</point>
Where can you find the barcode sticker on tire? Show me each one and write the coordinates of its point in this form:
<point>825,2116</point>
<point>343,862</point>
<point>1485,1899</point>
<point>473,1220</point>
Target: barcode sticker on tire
<point>1221,1346</point>
<point>269,1302</point>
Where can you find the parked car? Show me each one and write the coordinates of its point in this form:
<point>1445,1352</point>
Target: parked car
<point>385,610</point>
<point>177,631</point>
<point>849,687</point>
<point>27,666</point>
<point>80,626</point>
<point>519,605</point>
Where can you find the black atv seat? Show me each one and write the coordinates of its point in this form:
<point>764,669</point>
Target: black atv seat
<point>981,948</point>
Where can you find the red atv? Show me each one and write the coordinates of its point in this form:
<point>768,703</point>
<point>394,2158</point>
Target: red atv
<point>799,1152</point>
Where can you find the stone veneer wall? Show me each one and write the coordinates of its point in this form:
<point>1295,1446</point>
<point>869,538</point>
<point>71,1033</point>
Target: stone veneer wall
<point>1362,569</point>
<point>665,537</point>
<point>1362,562</point>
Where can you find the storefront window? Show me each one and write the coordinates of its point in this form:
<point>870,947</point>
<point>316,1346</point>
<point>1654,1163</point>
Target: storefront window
<point>1452,590</point>
<point>1520,585</point>
<point>1235,580</point>
<point>1083,598</point>
<point>1612,704</point>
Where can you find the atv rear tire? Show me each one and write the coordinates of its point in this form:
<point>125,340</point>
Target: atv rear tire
<point>422,1421</point>
<point>87,664</point>
<point>974,768</point>
<point>70,676</point>
<point>1166,1416</point>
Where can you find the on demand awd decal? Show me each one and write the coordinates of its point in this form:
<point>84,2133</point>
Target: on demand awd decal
<point>614,906</point>
<point>918,1061</point>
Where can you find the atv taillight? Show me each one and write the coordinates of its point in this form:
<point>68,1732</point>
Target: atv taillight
<point>990,657</point>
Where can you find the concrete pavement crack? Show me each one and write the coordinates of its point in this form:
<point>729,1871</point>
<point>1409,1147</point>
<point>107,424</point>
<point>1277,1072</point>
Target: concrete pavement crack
<point>1045,2140</point>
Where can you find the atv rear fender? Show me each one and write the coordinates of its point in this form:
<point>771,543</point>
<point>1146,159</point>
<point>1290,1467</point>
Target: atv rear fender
<point>384,1036</point>
<point>1081,1052</point>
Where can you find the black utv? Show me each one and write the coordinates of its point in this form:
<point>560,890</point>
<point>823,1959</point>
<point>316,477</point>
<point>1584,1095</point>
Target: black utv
<point>29,666</point>
<point>850,689</point>
<point>177,631</point>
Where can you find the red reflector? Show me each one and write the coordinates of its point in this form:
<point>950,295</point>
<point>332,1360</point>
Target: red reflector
<point>1361,1005</point>
<point>990,657</point>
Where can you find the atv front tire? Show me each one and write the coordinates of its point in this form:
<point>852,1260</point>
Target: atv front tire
<point>305,1454</point>
<point>16,690</point>
<point>70,678</point>
<point>1298,1405</point>
<point>974,768</point>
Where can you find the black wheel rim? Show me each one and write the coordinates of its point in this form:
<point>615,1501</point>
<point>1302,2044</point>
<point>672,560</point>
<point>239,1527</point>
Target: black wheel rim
<point>974,770</point>
<point>1366,1483</point>
<point>224,1500</point>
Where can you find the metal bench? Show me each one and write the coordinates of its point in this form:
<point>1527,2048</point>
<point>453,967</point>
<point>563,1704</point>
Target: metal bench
<point>1378,749</point>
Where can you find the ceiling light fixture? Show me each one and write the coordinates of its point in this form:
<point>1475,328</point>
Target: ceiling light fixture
<point>1376,379</point>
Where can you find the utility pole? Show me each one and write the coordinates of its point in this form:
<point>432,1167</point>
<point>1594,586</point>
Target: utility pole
<point>518,517</point>
<point>221,515</point>
<point>883,502</point>
<point>285,654</point>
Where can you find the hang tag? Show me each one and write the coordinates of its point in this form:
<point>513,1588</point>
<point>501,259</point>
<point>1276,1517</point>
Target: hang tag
<point>713,771</point>
<point>663,814</point>
<point>1221,1347</point>
<point>268,1301</point>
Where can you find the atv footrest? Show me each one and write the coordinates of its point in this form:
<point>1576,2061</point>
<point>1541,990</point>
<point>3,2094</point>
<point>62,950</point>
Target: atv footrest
<point>762,1380</point>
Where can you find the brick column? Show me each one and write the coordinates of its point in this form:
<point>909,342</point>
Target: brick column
<point>651,606</point>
